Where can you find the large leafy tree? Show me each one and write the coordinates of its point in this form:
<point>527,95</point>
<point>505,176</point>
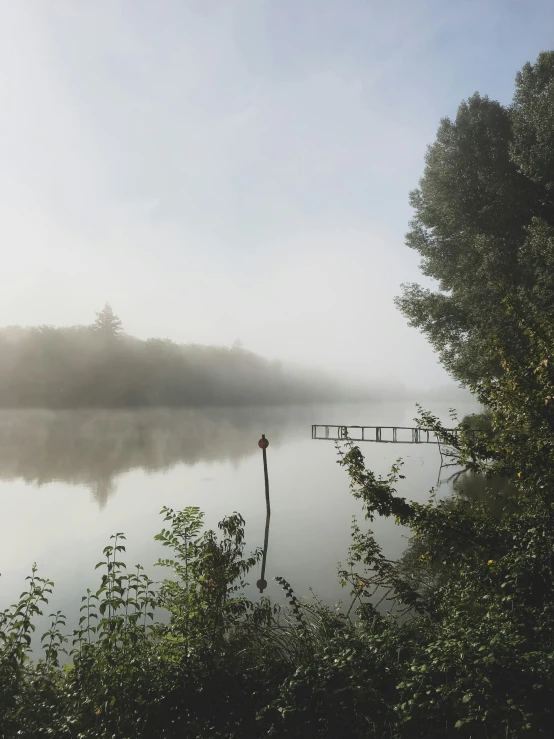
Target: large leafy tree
<point>484,224</point>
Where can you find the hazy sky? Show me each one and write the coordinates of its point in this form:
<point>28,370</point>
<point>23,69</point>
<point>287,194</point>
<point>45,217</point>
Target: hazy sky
<point>223,169</point>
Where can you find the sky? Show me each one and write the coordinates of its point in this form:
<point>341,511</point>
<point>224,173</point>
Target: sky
<point>237,169</point>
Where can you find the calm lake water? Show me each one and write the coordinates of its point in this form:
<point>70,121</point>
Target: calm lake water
<point>68,480</point>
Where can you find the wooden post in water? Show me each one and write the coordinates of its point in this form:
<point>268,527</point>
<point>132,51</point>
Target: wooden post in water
<point>263,444</point>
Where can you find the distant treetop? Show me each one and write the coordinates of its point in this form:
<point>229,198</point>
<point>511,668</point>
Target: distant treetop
<point>107,323</point>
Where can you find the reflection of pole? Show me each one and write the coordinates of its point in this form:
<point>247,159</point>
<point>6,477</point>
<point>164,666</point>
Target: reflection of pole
<point>263,444</point>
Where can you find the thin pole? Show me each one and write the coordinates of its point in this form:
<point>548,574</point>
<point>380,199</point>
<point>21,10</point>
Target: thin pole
<point>264,443</point>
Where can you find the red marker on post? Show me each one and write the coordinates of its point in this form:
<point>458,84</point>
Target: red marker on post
<point>263,444</point>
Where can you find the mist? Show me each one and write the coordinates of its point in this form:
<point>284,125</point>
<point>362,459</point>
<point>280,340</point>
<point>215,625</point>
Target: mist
<point>240,170</point>
<point>99,365</point>
<point>93,448</point>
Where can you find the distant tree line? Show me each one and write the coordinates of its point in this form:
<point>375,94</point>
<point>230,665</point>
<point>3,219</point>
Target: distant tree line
<point>101,366</point>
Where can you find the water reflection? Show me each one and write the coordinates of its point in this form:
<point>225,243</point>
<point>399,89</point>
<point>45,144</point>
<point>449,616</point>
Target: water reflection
<point>495,492</point>
<point>262,583</point>
<point>92,448</point>
<point>491,490</point>
<point>161,457</point>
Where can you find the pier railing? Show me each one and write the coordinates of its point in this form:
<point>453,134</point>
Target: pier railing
<point>378,434</point>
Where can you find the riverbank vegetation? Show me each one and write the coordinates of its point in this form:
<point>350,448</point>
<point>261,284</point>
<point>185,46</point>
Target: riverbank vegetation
<point>99,366</point>
<point>464,646</point>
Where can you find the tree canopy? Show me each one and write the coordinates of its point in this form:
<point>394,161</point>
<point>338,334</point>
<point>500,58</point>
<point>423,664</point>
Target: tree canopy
<point>107,323</point>
<point>484,222</point>
<point>101,366</point>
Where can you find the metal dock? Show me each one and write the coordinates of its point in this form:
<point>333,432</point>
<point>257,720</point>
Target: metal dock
<point>377,434</point>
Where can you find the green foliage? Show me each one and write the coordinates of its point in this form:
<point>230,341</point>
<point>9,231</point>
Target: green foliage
<point>483,219</point>
<point>133,674</point>
<point>478,421</point>
<point>484,572</point>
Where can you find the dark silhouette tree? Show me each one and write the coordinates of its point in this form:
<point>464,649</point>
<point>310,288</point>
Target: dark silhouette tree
<point>484,223</point>
<point>107,323</point>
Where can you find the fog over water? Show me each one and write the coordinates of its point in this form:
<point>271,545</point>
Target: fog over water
<point>70,479</point>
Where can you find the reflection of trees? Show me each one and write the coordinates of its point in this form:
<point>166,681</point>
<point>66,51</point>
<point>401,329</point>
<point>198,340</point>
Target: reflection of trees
<point>492,491</point>
<point>92,447</point>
